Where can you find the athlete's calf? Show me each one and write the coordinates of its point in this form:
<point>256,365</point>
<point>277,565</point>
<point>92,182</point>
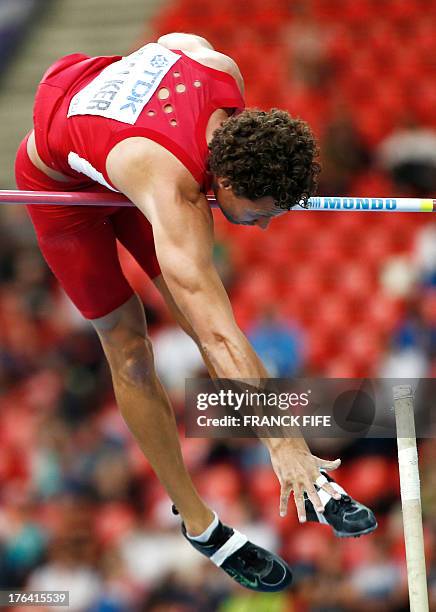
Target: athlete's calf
<point>146,408</point>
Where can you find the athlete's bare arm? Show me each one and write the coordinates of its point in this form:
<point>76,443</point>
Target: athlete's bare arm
<point>202,51</point>
<point>165,192</point>
<point>183,234</point>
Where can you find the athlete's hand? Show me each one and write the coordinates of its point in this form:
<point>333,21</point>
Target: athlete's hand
<point>298,471</point>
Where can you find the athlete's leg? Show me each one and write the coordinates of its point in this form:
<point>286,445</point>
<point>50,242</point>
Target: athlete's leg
<point>146,408</point>
<point>80,247</point>
<point>148,413</point>
<point>78,243</point>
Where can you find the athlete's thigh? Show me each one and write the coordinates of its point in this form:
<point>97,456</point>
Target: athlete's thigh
<point>77,242</point>
<point>86,264</point>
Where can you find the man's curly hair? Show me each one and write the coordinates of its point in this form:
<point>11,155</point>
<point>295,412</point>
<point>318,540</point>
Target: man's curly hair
<point>266,154</point>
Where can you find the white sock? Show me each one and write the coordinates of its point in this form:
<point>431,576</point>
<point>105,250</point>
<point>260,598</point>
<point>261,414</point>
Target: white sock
<point>203,537</point>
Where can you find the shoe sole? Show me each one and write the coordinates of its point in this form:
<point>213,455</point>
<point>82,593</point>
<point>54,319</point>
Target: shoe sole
<point>344,534</point>
<point>259,587</point>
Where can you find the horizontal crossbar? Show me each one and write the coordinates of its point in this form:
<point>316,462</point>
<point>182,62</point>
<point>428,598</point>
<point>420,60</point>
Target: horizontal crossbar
<point>319,203</point>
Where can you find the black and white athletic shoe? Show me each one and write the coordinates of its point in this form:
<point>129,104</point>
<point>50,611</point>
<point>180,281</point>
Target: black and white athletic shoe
<point>347,517</point>
<point>251,566</point>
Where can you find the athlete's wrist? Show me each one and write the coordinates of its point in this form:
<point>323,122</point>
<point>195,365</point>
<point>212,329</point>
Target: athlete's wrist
<point>297,443</point>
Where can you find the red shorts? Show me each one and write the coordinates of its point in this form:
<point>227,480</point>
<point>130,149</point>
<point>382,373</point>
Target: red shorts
<point>79,243</point>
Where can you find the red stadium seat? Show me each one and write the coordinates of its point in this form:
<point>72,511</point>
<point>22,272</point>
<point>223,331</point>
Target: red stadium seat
<point>407,66</point>
<point>371,478</point>
<point>424,101</point>
<point>310,543</point>
<point>383,39</point>
<point>378,245</point>
<point>356,282</point>
<point>340,44</point>
<point>245,313</point>
<point>383,312</point>
<point>402,12</point>
<point>219,482</point>
<point>366,185</point>
<point>330,262</point>
<point>423,33</point>
<point>333,313</point>
<point>305,284</point>
<point>358,12</point>
<point>263,487</point>
<point>357,551</point>
<point>327,10</point>
<point>258,287</point>
<point>341,366</point>
<point>428,307</point>
<point>372,125</point>
<point>362,344</point>
<point>322,346</point>
<point>113,521</point>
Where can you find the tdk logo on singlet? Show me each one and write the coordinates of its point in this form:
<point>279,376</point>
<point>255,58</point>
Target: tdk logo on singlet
<point>159,61</point>
<point>122,89</point>
<point>353,203</point>
<point>141,89</point>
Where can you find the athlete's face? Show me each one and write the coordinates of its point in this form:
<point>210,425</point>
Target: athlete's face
<point>243,211</point>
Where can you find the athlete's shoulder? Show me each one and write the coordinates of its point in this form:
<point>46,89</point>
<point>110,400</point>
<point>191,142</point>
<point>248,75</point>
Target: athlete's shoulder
<point>201,50</point>
<point>184,42</point>
<point>219,61</point>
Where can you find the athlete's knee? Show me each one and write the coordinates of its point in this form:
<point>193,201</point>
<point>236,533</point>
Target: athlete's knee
<point>124,320</point>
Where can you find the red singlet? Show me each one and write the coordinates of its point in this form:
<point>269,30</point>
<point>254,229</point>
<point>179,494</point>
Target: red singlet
<point>79,243</point>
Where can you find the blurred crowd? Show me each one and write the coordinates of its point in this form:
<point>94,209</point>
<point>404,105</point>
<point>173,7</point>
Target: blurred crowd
<point>15,18</point>
<point>341,295</point>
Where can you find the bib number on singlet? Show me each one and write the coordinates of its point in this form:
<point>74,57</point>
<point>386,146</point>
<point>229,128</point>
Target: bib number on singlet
<point>122,89</point>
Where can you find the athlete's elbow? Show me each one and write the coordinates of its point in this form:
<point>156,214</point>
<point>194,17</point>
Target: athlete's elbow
<point>183,282</point>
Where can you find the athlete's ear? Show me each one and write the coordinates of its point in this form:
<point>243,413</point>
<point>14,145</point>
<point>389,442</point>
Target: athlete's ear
<point>224,183</point>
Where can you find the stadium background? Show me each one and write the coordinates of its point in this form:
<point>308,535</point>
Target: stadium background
<point>333,295</point>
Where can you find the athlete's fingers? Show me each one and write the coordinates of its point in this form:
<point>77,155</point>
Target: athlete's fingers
<point>323,483</point>
<point>329,466</point>
<point>299,502</point>
<point>284,497</point>
<point>328,487</point>
<point>314,498</point>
